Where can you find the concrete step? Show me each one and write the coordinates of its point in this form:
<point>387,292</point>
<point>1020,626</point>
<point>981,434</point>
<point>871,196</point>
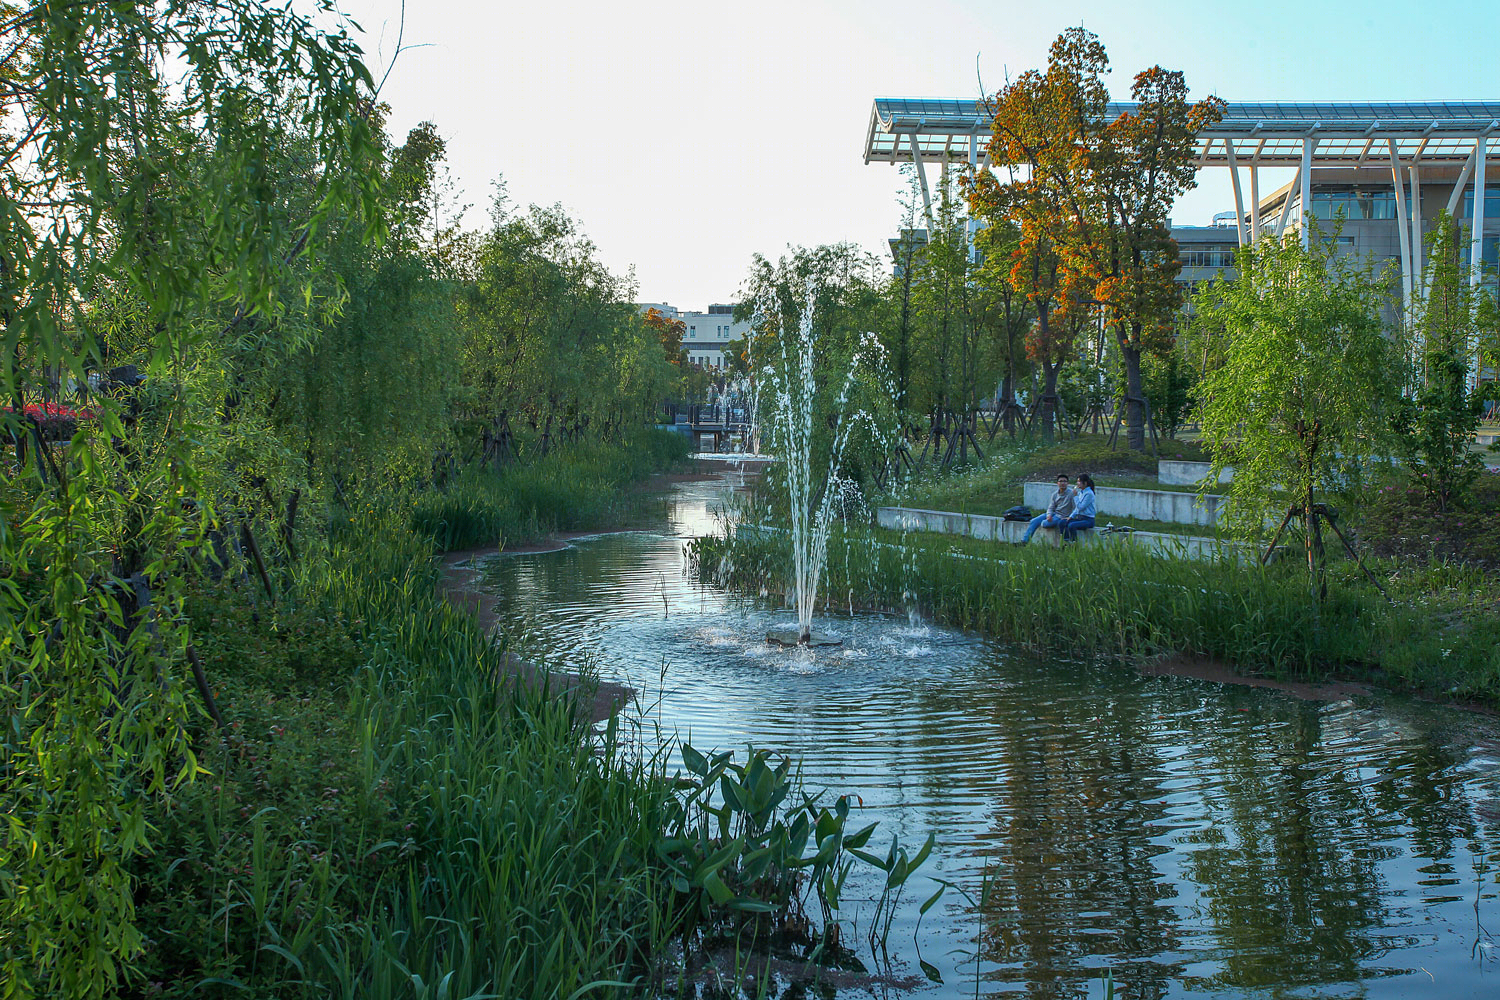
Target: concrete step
<point>1179,473</point>
<point>1148,505</point>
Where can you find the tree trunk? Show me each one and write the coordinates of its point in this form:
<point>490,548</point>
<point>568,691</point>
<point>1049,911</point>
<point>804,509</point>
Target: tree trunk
<point>1135,414</point>
<point>1049,398</point>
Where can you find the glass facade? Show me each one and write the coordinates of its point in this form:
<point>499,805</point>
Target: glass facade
<point>1356,203</point>
<point>1491,203</point>
<point>1222,256</point>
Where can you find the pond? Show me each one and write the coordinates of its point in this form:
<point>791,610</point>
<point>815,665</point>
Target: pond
<point>1190,838</point>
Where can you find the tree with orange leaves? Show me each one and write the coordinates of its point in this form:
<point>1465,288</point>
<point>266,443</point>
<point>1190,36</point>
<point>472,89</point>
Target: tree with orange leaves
<point>1141,162</point>
<point>1095,195</point>
<point>1042,125</point>
<point>669,331</point>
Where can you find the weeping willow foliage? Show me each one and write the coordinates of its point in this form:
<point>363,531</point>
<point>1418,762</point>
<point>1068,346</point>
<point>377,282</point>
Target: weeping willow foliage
<point>1306,390</point>
<point>203,193</point>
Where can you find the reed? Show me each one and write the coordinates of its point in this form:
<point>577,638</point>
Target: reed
<point>573,489</point>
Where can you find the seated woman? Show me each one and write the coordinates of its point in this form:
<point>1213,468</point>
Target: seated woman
<point>1084,508</point>
<point>1058,509</point>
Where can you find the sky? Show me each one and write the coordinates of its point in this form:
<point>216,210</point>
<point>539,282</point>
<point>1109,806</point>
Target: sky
<point>687,137</point>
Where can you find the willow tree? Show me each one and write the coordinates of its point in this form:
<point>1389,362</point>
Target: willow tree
<point>1308,382</point>
<point>141,198</point>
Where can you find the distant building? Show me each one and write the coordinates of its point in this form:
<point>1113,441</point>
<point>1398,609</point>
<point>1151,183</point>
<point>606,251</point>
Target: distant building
<point>706,335</point>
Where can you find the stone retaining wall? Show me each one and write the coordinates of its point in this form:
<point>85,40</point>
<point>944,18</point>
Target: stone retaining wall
<point>1179,473</point>
<point>986,527</point>
<point>1148,505</point>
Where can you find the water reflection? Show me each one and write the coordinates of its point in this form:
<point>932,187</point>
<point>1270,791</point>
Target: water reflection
<point>1192,839</point>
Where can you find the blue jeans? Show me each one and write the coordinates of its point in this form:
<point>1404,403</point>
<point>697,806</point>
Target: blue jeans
<point>1042,521</point>
<point>1074,526</point>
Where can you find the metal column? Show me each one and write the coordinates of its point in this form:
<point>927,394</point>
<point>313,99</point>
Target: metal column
<point>1239,204</point>
<point>1476,240</point>
<point>1305,172</point>
<point>1403,234</point>
<point>1255,199</point>
<point>916,157</point>
<point>972,225</point>
<point>1418,261</point>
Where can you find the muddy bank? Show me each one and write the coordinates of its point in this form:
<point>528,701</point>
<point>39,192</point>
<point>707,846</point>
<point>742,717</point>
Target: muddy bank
<point>461,582</point>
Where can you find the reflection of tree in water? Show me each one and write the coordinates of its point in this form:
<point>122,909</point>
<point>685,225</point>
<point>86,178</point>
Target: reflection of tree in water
<point>1075,889</point>
<point>1290,869</point>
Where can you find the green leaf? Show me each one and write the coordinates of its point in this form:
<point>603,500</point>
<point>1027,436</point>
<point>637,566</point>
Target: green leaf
<point>717,890</point>
<point>694,761</point>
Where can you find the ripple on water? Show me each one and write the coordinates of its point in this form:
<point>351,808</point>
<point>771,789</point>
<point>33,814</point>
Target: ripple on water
<point>1198,840</point>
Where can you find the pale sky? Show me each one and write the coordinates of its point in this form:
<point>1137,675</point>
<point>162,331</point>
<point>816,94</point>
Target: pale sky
<point>685,137</point>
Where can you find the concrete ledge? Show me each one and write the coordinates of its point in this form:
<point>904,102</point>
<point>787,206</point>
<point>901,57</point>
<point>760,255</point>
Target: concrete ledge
<point>1148,505</point>
<point>987,527</point>
<point>1179,473</point>
<point>982,526</point>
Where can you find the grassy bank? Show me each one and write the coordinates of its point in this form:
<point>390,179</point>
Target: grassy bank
<point>576,489</point>
<point>1431,637</point>
<point>381,817</point>
<point>386,814</point>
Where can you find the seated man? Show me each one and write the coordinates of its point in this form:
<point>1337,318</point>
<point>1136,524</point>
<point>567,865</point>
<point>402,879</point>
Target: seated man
<point>1058,510</point>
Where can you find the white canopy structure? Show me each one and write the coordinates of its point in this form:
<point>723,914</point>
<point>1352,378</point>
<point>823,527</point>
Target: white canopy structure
<point>1396,141</point>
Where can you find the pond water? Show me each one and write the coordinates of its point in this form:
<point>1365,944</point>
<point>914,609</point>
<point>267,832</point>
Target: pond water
<point>1193,839</point>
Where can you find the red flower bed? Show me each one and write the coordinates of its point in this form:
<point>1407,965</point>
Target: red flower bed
<point>49,413</point>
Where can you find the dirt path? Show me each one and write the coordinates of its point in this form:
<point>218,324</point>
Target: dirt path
<point>460,580</point>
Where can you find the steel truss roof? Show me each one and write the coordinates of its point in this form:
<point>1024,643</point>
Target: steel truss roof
<point>1267,135</point>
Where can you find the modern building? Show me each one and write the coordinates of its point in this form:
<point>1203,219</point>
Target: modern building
<point>1388,170</point>
<point>706,335</point>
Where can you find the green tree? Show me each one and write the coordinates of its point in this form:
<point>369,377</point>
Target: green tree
<point>1308,383</point>
<point>1138,164</point>
<point>1436,424</point>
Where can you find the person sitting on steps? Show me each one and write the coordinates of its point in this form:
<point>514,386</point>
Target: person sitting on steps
<point>1058,510</point>
<point>1084,509</point>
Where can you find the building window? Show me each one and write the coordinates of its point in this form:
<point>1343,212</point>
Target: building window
<point>1357,203</point>
<point>1491,204</point>
<point>1208,257</point>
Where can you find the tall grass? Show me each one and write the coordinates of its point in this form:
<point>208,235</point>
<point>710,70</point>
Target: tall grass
<point>411,822</point>
<point>421,828</point>
<point>1120,600</point>
<point>573,489</point>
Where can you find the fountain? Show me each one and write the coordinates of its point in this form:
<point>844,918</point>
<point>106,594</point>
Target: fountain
<point>791,423</point>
